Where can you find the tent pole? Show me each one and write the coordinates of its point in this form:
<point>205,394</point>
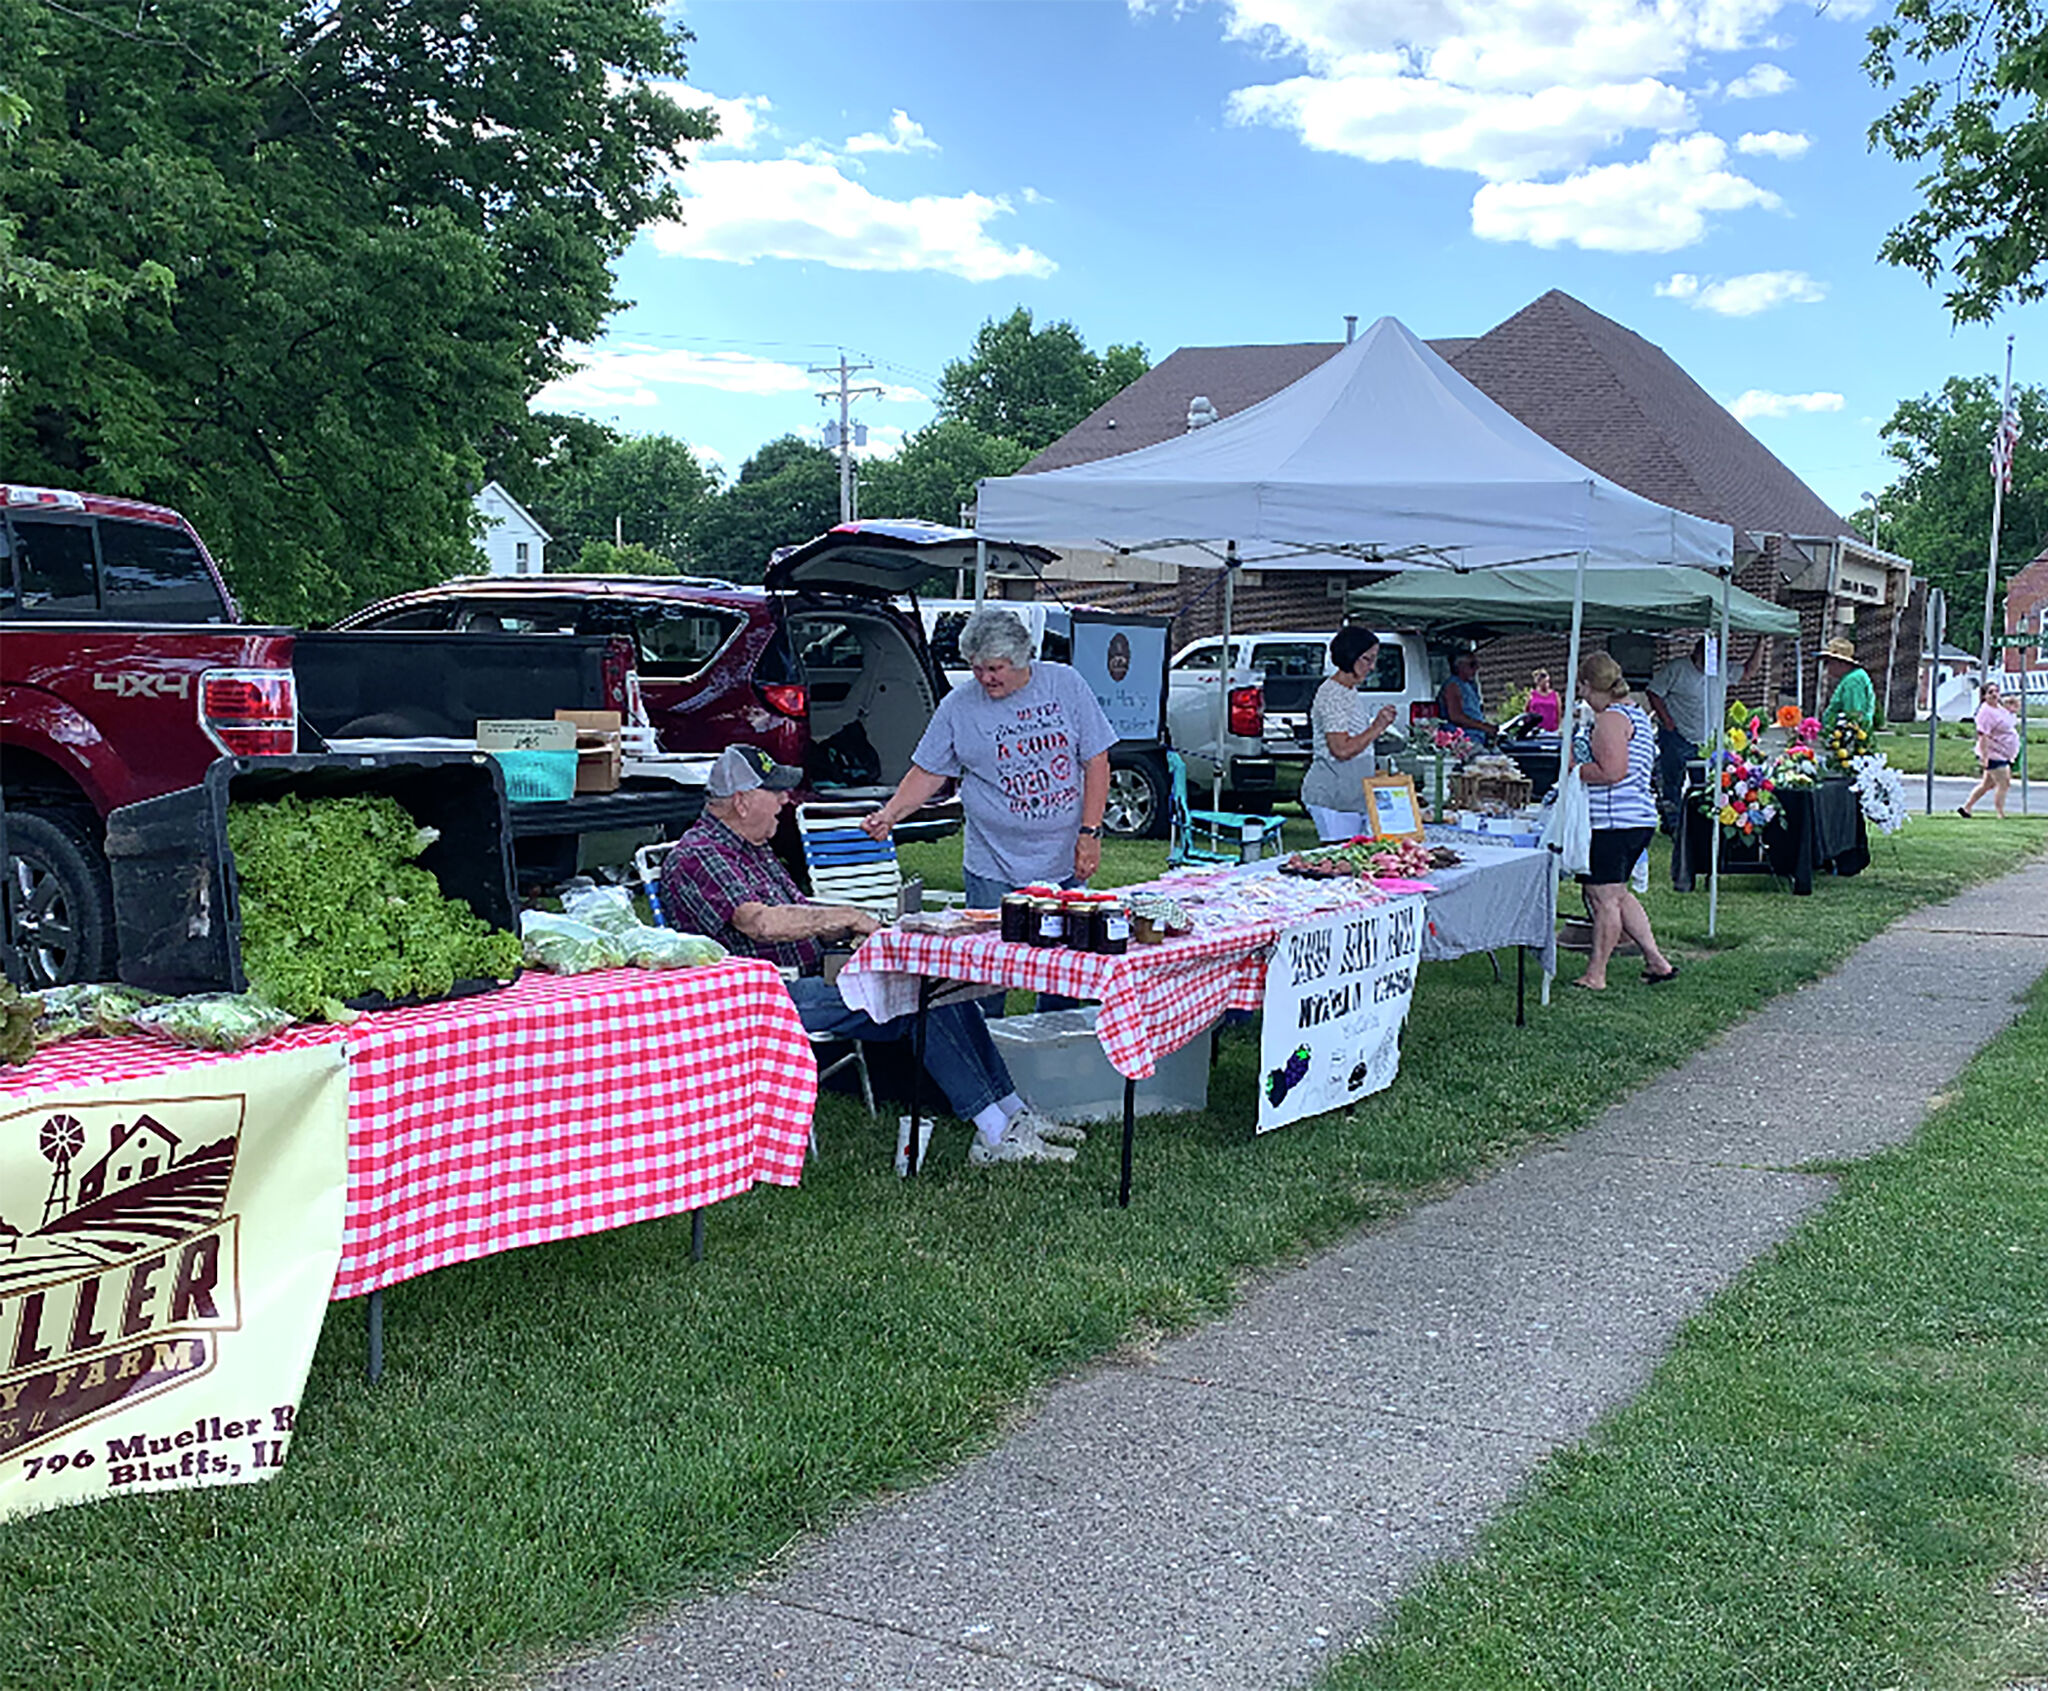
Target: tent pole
<point>980,573</point>
<point>1572,665</point>
<point>1714,765</point>
<point>1223,669</point>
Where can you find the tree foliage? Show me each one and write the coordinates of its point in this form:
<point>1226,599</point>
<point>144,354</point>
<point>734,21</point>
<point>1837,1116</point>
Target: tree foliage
<point>381,224</point>
<point>786,493</point>
<point>1031,385</point>
<point>601,557</point>
<point>1938,511</point>
<point>1976,117</point>
<point>936,472</point>
<point>648,491</point>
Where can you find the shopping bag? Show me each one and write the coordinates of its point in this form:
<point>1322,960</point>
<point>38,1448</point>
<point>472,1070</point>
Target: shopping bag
<point>1569,832</point>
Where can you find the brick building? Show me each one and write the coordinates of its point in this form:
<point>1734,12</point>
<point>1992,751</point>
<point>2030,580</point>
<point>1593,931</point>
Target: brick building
<point>1595,390</point>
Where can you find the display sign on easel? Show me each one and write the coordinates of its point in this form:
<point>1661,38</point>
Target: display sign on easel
<point>1392,811</point>
<point>1337,991</point>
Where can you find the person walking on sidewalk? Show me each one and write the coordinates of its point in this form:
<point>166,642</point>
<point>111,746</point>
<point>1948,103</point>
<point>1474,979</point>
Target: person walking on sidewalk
<point>1998,744</point>
<point>1624,817</point>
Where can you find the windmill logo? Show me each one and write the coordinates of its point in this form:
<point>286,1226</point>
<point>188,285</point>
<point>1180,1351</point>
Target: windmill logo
<point>130,1273</point>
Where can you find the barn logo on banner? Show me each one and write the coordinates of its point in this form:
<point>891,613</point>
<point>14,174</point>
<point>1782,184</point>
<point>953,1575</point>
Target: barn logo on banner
<point>166,1251</point>
<point>1337,991</point>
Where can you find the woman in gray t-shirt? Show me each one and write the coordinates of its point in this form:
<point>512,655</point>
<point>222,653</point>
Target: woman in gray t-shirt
<point>1029,744</point>
<point>1344,727</point>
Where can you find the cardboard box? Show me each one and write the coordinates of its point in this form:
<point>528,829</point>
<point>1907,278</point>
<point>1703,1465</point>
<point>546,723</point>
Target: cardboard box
<point>598,751</point>
<point>520,734</point>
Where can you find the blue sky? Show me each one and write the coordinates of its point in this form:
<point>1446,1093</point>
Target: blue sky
<point>1225,171</point>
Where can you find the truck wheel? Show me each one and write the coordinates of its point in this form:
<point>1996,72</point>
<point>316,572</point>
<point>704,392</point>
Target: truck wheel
<point>61,899</point>
<point>1137,800</point>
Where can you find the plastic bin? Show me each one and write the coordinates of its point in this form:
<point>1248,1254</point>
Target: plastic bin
<point>538,777</point>
<point>176,904</point>
<point>1057,1063</point>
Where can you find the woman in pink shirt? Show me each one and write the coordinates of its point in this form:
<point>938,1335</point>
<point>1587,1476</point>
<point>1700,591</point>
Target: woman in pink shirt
<point>1998,743</point>
<point>1544,704</point>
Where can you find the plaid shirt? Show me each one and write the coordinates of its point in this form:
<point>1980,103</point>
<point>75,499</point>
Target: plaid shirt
<point>712,872</point>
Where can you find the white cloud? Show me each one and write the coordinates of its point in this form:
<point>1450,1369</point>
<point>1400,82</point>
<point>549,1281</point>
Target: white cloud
<point>896,393</point>
<point>905,136</point>
<point>738,211</point>
<point>1744,296</point>
<point>1032,197</point>
<point>1776,142</point>
<point>628,375</point>
<point>1759,81</point>
<point>1656,205</point>
<point>1758,402</point>
<point>885,440</point>
<point>742,123</point>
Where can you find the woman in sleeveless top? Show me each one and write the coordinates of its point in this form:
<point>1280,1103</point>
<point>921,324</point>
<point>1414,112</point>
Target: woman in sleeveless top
<point>1617,778</point>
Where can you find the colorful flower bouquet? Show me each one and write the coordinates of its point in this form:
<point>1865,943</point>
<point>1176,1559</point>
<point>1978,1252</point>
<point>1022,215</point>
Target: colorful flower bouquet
<point>1798,766</point>
<point>1745,798</point>
<point>1454,743</point>
<point>1849,740</point>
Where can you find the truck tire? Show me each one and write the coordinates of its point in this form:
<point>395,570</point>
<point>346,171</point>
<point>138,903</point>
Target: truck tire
<point>1137,798</point>
<point>61,899</point>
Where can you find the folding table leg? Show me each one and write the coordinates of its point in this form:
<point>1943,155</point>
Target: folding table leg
<point>696,1235</point>
<point>1123,1191</point>
<point>1521,985</point>
<point>375,1315</point>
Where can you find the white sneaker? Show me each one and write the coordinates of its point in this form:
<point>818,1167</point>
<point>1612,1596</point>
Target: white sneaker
<point>1017,1145</point>
<point>1052,1132</point>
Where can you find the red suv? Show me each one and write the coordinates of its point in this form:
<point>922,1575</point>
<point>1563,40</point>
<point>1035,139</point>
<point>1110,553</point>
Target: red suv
<point>818,666</point>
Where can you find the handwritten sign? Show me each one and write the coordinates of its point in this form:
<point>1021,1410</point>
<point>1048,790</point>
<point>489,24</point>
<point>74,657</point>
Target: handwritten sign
<point>1337,991</point>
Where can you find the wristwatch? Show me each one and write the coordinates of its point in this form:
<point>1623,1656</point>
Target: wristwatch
<point>1088,833</point>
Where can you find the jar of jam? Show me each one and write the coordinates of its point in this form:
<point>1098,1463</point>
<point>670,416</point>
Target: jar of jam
<point>1048,923</point>
<point>1080,909</point>
<point>1112,927</point>
<point>1017,917</point>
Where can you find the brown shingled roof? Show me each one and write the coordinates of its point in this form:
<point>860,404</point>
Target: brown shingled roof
<point>1592,388</point>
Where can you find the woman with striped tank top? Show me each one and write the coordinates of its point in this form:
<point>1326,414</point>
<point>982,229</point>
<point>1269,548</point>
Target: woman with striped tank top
<point>1617,778</point>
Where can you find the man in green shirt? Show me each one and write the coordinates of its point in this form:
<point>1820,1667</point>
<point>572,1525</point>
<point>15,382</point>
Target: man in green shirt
<point>1849,688</point>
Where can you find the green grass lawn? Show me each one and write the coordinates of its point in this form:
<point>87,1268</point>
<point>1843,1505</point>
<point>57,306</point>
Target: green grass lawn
<point>1906,750</point>
<point>1835,1481</point>
<point>568,1436</point>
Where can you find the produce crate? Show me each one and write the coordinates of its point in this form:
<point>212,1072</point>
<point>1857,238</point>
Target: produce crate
<point>177,906</point>
<point>1477,792</point>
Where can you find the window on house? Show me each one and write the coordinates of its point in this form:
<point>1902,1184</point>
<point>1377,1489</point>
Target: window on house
<point>521,553</point>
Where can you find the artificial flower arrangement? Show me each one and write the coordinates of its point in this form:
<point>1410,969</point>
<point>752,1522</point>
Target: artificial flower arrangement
<point>1882,792</point>
<point>1849,740</point>
<point>1744,800</point>
<point>1454,743</point>
<point>1797,767</point>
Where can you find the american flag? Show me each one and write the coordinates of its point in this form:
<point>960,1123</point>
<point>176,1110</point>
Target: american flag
<point>2003,445</point>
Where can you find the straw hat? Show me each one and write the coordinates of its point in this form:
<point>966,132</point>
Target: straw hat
<point>1840,647</point>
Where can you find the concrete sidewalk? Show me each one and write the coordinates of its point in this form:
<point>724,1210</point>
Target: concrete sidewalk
<point>1245,1502</point>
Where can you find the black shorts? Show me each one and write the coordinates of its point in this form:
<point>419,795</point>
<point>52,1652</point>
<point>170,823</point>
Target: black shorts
<point>1998,763</point>
<point>1614,854</point>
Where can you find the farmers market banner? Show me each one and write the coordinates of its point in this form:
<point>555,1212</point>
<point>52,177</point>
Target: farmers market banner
<point>1337,992</point>
<point>166,1250</point>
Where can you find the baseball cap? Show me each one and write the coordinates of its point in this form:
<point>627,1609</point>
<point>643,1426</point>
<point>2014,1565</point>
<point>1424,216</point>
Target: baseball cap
<point>740,769</point>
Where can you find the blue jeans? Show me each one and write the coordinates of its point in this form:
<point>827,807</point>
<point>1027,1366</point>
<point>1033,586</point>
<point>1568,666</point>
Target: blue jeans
<point>984,892</point>
<point>1674,752</point>
<point>958,1053</point>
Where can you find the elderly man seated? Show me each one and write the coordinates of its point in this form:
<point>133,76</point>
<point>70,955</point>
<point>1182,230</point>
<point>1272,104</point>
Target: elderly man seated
<point>722,879</point>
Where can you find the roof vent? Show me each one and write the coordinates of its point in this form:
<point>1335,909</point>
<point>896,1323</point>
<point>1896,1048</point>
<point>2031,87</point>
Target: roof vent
<point>1350,327</point>
<point>1200,412</point>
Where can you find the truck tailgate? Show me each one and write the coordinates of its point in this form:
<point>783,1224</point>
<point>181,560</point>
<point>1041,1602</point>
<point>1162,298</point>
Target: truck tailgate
<point>370,683</point>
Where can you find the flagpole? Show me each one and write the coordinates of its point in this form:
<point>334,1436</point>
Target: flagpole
<point>2003,449</point>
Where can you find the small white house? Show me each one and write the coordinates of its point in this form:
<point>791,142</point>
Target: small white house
<point>513,542</point>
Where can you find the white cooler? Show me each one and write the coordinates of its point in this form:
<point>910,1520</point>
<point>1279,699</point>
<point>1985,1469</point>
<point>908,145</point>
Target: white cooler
<point>1057,1063</point>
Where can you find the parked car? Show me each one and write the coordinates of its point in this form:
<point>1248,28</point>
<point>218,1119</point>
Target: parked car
<point>818,665</point>
<point>1287,666</point>
<point>124,672</point>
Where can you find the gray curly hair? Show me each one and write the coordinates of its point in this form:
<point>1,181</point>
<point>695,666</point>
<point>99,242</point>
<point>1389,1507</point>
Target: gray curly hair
<point>990,635</point>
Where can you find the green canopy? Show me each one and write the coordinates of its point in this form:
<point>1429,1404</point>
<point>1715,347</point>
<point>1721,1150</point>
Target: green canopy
<point>1640,600</point>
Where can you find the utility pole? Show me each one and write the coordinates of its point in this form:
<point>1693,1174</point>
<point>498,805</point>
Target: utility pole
<point>843,435</point>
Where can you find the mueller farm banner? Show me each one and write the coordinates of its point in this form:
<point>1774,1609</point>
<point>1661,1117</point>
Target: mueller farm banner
<point>1337,992</point>
<point>167,1246</point>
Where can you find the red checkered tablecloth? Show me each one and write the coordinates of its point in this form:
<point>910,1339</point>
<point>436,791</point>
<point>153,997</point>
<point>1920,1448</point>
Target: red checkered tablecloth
<point>556,1107</point>
<point>1155,998</point>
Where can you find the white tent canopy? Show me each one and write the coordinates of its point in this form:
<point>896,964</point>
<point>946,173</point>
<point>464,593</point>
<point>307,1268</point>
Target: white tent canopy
<point>1383,456</point>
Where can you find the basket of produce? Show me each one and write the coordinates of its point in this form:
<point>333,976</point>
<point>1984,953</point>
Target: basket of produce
<point>321,883</point>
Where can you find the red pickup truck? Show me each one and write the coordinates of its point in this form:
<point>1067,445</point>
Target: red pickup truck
<point>123,673</point>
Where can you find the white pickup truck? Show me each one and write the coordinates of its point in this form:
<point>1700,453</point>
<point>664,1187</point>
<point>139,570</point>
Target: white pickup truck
<point>1287,667</point>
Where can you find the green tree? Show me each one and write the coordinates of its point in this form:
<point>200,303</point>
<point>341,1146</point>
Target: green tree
<point>649,490</point>
<point>935,473</point>
<point>1976,117</point>
<point>381,223</point>
<point>1938,511</point>
<point>786,493</point>
<point>601,557</point>
<point>1031,385</point>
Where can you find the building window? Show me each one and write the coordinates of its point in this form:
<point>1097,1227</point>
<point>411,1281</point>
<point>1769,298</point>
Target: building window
<point>520,553</point>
